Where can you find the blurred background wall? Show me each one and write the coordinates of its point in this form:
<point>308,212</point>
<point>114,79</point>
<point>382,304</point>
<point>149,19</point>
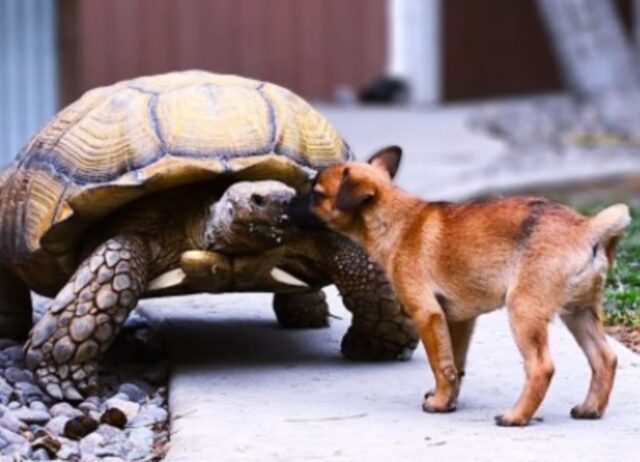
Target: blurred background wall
<point>51,51</point>
<point>29,79</point>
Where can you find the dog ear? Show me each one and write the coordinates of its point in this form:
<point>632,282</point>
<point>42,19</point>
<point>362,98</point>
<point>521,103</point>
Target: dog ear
<point>387,159</point>
<point>351,194</point>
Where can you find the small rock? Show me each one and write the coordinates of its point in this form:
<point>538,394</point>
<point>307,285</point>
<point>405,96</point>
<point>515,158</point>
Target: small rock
<point>129,408</point>
<point>6,343</point>
<point>31,416</point>
<point>121,396</point>
<point>56,425</point>
<point>133,392</point>
<point>110,433</point>
<point>142,440</point>
<point>148,416</point>
<point>40,454</point>
<point>9,421</point>
<point>5,390</point>
<point>19,451</point>
<point>64,409</point>
<point>38,406</point>
<point>13,375</point>
<point>69,450</point>
<point>87,407</point>
<point>79,427</point>
<point>114,417</point>
<point>11,437</point>
<point>49,443</point>
<point>92,403</point>
<point>91,444</point>
<point>14,353</point>
<point>14,405</point>
<point>28,392</point>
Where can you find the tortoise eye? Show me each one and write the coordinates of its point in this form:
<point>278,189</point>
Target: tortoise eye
<point>257,199</point>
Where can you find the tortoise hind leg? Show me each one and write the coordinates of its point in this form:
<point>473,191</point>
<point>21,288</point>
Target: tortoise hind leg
<point>301,310</point>
<point>85,317</point>
<point>380,329</point>
<point>15,307</point>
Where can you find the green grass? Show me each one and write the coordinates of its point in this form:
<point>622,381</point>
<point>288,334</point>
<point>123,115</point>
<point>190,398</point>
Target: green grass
<point>623,284</point>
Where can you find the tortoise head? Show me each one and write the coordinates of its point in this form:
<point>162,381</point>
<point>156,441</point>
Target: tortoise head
<point>249,217</point>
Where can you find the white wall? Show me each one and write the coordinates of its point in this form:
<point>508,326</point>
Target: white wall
<point>414,47</point>
<point>28,75</point>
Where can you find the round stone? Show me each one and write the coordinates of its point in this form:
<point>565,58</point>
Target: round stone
<point>79,427</point>
<point>82,328</point>
<point>63,350</point>
<point>121,282</point>
<point>106,298</point>
<point>64,409</point>
<point>86,351</point>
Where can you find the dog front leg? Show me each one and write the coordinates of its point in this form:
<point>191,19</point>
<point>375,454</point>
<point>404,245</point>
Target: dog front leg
<point>430,321</point>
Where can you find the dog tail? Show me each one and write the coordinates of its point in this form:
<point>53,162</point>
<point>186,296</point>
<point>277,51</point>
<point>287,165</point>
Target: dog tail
<point>609,223</point>
<point>606,228</point>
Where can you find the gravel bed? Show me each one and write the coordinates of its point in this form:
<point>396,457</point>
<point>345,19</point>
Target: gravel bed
<point>128,421</point>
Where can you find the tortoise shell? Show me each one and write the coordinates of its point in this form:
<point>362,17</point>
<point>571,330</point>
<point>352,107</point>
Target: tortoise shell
<point>137,137</point>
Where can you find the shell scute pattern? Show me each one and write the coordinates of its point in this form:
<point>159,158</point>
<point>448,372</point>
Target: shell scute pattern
<point>118,143</point>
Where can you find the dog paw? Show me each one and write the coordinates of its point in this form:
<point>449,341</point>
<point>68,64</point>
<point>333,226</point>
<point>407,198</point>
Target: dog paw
<point>508,420</point>
<point>438,404</point>
<point>585,412</point>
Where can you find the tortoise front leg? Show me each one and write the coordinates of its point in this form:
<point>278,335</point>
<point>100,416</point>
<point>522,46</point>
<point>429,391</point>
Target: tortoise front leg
<point>85,317</point>
<point>380,328</point>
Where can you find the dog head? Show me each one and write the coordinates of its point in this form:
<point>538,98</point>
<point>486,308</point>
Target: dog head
<point>341,193</point>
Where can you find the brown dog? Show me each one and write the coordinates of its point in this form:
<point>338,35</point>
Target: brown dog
<point>450,263</point>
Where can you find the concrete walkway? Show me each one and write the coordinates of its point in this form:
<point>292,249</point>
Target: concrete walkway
<point>243,389</point>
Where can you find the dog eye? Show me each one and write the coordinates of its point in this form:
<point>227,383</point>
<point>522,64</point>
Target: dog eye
<point>318,196</point>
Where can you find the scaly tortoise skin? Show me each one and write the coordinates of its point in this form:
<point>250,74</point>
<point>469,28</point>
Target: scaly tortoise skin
<point>175,184</point>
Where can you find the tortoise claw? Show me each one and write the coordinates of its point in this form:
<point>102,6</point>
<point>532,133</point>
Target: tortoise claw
<point>54,391</point>
<point>72,394</point>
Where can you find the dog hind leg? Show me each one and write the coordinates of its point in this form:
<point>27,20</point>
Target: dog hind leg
<point>586,328</point>
<point>529,326</point>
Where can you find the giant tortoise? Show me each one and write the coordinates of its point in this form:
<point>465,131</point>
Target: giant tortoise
<point>175,184</point>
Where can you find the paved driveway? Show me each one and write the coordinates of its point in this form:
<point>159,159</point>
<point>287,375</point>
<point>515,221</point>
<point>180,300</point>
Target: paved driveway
<point>244,390</point>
